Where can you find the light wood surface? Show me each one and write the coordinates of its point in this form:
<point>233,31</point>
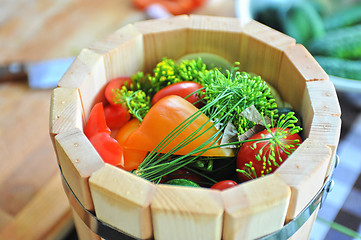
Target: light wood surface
<point>180,212</point>
<point>122,200</point>
<point>33,204</point>
<point>255,208</point>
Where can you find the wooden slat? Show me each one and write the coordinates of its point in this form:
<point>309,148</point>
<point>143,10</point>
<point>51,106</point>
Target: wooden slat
<point>322,98</point>
<point>305,231</point>
<point>122,52</point>
<point>122,200</point>
<point>87,73</point>
<point>255,208</point>
<point>304,171</point>
<point>186,213</point>
<point>78,160</point>
<point>297,68</point>
<point>262,50</point>
<point>321,109</point>
<point>163,38</point>
<point>217,35</point>
<point>65,111</point>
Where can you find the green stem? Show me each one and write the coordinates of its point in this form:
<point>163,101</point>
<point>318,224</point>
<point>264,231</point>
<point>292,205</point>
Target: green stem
<point>340,228</point>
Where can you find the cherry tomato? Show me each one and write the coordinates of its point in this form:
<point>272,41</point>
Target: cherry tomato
<point>175,7</point>
<point>108,148</point>
<point>112,85</point>
<point>96,122</point>
<point>163,118</point>
<point>182,89</point>
<point>224,184</point>
<point>251,167</point>
<point>116,116</point>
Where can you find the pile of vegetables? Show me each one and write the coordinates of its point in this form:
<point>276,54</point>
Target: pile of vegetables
<point>333,38</point>
<point>188,123</point>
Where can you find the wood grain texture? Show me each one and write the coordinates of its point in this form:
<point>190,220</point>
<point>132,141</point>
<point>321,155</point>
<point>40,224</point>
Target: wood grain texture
<point>297,68</point>
<point>87,74</point>
<point>66,111</point>
<point>122,52</point>
<point>29,29</point>
<point>42,213</point>
<point>217,35</point>
<point>28,168</point>
<point>304,171</point>
<point>186,213</point>
<point>262,51</point>
<point>159,38</point>
<point>122,200</point>
<point>255,208</point>
<point>78,161</point>
<point>305,231</point>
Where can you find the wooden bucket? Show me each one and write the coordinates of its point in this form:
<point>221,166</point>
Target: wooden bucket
<point>139,209</point>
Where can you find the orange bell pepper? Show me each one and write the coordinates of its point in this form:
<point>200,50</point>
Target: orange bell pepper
<point>132,157</point>
<point>163,118</point>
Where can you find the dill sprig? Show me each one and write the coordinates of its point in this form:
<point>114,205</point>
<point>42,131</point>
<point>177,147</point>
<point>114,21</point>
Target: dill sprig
<point>269,153</point>
<point>137,101</point>
<point>166,73</point>
<point>241,89</point>
<point>226,96</point>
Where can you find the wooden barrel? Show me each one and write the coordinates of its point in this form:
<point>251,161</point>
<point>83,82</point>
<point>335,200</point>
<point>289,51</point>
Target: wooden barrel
<point>143,210</point>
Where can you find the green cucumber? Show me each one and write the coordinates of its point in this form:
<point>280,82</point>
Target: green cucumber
<point>182,182</point>
<point>303,22</point>
<point>343,18</point>
<point>211,60</point>
<point>341,43</point>
<point>340,67</point>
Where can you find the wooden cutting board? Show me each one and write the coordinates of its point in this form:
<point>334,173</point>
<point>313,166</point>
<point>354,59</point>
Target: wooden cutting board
<point>33,204</point>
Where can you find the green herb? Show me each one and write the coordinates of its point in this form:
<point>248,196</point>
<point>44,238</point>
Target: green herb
<point>226,96</point>
<point>166,73</point>
<point>239,89</point>
<point>340,228</point>
<point>137,102</point>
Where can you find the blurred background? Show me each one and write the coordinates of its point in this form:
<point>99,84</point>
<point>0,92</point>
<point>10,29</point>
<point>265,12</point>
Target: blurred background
<point>33,204</point>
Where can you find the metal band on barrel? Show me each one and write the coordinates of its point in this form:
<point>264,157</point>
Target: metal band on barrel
<point>108,232</point>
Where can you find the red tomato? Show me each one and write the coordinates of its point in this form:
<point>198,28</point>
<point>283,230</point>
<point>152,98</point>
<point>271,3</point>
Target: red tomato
<point>224,184</point>
<point>252,167</point>
<point>112,85</point>
<point>175,7</point>
<point>182,89</point>
<point>116,116</point>
<point>96,122</point>
<point>108,148</point>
